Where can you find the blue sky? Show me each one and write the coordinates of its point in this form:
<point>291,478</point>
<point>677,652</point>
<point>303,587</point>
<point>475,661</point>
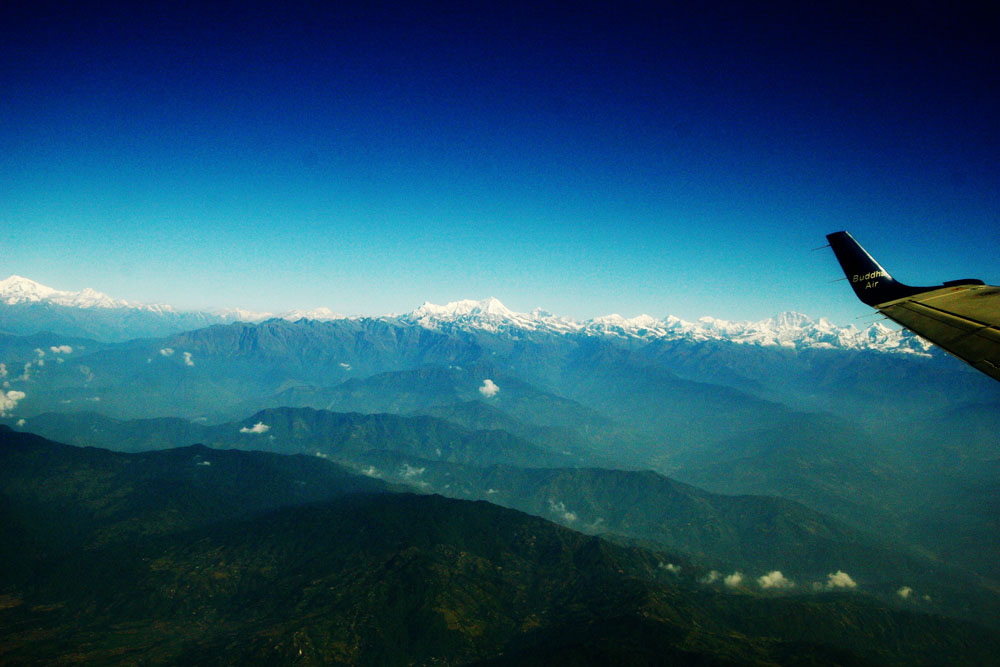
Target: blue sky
<point>586,160</point>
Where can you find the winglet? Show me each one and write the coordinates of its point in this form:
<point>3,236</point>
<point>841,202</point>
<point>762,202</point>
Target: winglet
<point>870,281</point>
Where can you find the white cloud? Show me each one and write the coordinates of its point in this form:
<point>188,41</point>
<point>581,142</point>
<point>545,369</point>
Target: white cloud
<point>733,580</point>
<point>711,577</point>
<point>774,579</point>
<point>61,349</point>
<point>167,351</point>
<point>40,352</point>
<point>840,579</point>
<point>490,492</point>
<point>3,370</point>
<point>20,423</point>
<point>187,359</point>
<point>905,592</point>
<point>204,463</point>
<point>8,401</point>
<point>346,367</point>
<point>560,510</point>
<point>410,471</point>
<point>671,568</point>
<point>259,427</point>
<point>489,389</point>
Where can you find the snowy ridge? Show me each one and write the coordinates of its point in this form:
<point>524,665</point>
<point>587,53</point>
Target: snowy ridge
<point>790,330</point>
<point>487,315</point>
<point>322,314</point>
<point>242,315</point>
<point>17,290</point>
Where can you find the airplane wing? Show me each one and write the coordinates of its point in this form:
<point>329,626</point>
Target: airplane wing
<point>960,316</point>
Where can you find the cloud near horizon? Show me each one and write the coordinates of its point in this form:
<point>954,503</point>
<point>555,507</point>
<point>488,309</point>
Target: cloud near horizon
<point>489,388</point>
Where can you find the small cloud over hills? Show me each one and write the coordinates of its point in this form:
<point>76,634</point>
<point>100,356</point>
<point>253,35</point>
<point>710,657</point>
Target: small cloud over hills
<point>733,580</point>
<point>259,427</point>
<point>560,510</point>
<point>9,400</point>
<point>840,579</point>
<point>775,579</point>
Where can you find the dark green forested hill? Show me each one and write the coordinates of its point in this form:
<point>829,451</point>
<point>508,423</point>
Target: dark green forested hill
<point>199,556</point>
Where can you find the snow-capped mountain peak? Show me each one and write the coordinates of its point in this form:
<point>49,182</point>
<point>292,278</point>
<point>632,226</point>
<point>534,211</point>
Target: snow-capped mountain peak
<point>242,315</point>
<point>464,308</point>
<point>18,289</point>
<point>640,326</point>
<point>322,313</point>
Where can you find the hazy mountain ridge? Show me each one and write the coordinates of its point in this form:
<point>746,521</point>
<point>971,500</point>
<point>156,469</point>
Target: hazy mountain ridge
<point>332,435</point>
<point>375,578</point>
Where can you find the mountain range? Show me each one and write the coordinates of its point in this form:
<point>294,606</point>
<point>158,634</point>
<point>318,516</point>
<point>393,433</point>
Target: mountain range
<point>28,307</point>
<point>220,557</point>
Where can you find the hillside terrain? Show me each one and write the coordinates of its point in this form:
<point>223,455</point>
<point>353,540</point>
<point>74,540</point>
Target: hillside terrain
<point>329,567</point>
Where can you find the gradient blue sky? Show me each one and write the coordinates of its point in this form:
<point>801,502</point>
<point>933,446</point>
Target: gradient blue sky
<point>587,159</point>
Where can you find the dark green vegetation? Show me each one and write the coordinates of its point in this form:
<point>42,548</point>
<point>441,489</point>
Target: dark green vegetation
<point>753,534</point>
<point>202,556</point>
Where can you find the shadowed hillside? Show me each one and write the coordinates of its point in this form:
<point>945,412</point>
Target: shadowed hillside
<point>170,560</point>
